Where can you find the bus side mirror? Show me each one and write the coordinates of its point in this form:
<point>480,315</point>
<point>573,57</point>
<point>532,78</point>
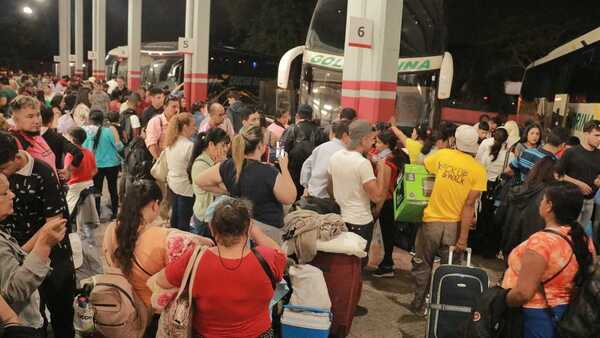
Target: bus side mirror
<point>446,76</point>
<point>285,66</point>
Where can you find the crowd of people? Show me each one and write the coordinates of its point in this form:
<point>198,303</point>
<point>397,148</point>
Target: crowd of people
<point>497,186</point>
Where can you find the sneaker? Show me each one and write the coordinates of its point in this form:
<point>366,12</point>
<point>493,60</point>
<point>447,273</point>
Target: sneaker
<point>383,272</point>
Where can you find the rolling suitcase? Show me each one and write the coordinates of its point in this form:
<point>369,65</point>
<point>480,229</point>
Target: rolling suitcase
<point>455,290</point>
<point>343,276</point>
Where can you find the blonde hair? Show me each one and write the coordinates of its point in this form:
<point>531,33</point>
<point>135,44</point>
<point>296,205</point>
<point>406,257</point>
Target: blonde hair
<point>244,143</point>
<point>175,128</point>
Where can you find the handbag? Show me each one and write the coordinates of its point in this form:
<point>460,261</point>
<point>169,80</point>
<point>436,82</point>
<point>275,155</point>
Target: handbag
<point>160,169</point>
<point>176,319</point>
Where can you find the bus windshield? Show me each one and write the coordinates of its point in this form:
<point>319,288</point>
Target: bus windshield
<point>423,28</point>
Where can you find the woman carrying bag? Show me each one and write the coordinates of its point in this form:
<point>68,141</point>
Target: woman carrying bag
<point>232,283</point>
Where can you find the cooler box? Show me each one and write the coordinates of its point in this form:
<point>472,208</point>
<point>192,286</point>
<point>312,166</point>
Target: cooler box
<point>412,193</point>
<point>305,322</point>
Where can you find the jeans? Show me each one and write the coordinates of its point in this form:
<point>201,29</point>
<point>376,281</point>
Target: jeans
<point>200,228</point>
<point>58,291</point>
<point>538,324</point>
<point>585,218</point>
<point>433,239</point>
<point>112,175</point>
<point>182,212</point>
<point>388,232</point>
<point>365,231</point>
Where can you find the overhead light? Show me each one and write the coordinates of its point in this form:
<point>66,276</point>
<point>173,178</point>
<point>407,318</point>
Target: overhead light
<point>27,10</point>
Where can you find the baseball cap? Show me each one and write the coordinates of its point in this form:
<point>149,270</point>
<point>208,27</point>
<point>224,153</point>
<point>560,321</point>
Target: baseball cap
<point>357,130</point>
<point>466,139</point>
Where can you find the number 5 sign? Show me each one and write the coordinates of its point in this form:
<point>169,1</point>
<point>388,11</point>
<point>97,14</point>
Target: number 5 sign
<point>361,32</point>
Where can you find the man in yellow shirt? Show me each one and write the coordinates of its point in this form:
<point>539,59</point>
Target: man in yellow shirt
<point>459,181</point>
<point>413,144</point>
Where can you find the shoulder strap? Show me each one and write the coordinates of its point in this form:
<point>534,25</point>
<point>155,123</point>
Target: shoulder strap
<point>557,233</point>
<point>265,266</point>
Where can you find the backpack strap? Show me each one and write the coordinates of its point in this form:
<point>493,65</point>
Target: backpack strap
<point>265,266</point>
<point>548,309</point>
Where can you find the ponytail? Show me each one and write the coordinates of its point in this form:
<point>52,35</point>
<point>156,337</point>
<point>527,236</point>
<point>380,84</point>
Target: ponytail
<point>246,142</point>
<point>176,125</point>
<point>500,138</point>
<point>581,251</point>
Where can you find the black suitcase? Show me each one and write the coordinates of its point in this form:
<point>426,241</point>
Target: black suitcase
<point>454,292</point>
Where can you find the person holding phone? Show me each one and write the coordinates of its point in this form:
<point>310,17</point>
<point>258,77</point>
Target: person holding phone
<point>23,271</point>
<point>38,200</point>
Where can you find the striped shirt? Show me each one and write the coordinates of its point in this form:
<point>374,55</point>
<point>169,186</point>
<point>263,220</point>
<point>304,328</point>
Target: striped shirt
<point>524,162</point>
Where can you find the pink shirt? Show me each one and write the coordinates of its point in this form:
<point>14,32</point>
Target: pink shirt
<point>37,147</point>
<point>156,131</point>
<point>276,129</point>
<point>226,126</point>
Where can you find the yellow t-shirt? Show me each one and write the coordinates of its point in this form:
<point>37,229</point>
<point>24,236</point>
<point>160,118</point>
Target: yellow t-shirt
<point>414,149</point>
<point>456,174</point>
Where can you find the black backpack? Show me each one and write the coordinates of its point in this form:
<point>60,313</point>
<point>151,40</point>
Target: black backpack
<point>125,122</point>
<point>138,159</point>
<point>307,137</point>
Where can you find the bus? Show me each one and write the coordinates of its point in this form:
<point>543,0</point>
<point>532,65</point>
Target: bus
<point>312,74</point>
<point>161,65</point>
<point>563,87</point>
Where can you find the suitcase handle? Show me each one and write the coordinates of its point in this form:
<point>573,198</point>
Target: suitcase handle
<point>451,253</point>
<point>301,308</point>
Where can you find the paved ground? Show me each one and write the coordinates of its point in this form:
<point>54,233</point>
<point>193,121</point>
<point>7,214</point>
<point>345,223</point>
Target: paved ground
<point>386,299</point>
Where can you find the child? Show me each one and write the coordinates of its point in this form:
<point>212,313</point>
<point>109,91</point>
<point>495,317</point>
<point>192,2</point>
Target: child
<point>80,197</point>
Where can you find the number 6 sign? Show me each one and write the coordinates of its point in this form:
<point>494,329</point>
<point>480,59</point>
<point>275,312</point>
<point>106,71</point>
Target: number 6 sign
<point>361,33</point>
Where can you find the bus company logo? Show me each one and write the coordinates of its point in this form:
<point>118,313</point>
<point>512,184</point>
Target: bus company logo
<point>404,65</point>
<point>414,65</point>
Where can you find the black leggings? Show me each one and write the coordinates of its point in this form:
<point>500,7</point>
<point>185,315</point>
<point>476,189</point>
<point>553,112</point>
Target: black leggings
<point>388,232</point>
<point>112,175</point>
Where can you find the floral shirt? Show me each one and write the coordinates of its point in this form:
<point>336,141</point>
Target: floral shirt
<point>557,253</point>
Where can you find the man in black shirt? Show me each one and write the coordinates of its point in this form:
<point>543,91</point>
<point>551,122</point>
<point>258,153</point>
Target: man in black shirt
<point>157,101</point>
<point>58,143</point>
<point>580,165</point>
<point>38,199</point>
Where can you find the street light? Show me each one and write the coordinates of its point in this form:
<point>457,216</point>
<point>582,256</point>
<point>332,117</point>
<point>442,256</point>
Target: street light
<point>27,10</point>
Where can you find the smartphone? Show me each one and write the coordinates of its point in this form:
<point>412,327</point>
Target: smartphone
<point>279,151</point>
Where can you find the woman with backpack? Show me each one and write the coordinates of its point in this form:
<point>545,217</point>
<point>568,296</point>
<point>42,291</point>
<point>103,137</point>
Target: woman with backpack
<point>178,152</point>
<point>245,176</point>
<point>234,282</point>
<point>138,246</point>
<point>210,148</point>
<point>543,271</point>
<point>105,143</point>
<point>395,159</point>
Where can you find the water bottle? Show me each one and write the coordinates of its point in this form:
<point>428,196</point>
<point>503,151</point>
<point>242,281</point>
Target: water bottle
<point>83,321</point>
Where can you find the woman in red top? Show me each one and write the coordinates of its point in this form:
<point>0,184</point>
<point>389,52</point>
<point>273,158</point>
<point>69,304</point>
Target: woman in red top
<point>231,290</point>
<point>395,159</point>
<point>553,260</point>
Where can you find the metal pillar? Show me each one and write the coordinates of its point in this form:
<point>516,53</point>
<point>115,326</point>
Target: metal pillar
<point>134,44</point>
<point>99,17</point>
<point>94,34</point>
<point>371,74</point>
<point>187,63</point>
<point>79,38</point>
<point>199,76</point>
<point>64,29</point>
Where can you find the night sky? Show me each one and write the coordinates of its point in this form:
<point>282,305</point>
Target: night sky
<point>491,41</point>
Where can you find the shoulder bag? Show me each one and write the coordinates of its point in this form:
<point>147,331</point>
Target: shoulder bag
<point>160,168</point>
<point>176,320</point>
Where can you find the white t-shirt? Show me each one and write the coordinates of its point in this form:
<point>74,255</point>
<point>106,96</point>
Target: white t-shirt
<point>135,121</point>
<point>178,157</point>
<point>493,168</point>
<point>349,170</point>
